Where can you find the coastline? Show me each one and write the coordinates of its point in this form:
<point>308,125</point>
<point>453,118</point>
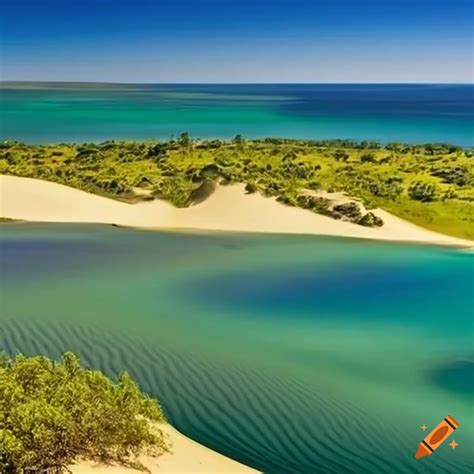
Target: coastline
<point>229,208</point>
<point>187,456</point>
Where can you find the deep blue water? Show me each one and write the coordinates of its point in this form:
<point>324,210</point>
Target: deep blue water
<point>407,113</point>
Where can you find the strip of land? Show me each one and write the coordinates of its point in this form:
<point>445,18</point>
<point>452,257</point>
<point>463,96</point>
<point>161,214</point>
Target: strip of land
<point>229,208</point>
<point>430,185</point>
<point>187,456</point>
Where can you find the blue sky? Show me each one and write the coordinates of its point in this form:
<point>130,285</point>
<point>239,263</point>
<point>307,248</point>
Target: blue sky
<point>237,41</point>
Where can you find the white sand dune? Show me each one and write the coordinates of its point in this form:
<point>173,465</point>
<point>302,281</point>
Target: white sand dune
<point>187,456</point>
<point>228,209</point>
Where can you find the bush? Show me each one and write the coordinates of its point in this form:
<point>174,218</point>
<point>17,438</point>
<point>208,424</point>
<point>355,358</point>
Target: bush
<point>53,413</point>
<point>370,220</point>
<point>239,140</point>
<point>367,158</point>
<point>341,155</point>
<point>458,175</point>
<point>250,188</point>
<point>420,191</point>
<point>348,211</point>
<point>317,204</point>
<point>321,205</point>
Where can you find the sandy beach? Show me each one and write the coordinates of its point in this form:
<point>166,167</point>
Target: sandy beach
<point>187,456</point>
<point>229,208</point>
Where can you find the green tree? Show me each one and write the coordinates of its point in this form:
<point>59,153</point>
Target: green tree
<point>239,140</point>
<point>184,140</point>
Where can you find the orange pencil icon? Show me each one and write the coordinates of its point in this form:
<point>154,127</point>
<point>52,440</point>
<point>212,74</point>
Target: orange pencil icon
<point>437,437</point>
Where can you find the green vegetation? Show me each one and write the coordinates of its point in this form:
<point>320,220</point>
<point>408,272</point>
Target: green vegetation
<point>430,185</point>
<point>52,413</point>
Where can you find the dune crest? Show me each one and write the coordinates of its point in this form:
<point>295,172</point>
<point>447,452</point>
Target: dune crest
<point>228,208</point>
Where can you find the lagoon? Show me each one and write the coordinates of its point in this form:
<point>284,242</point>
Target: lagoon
<point>287,353</point>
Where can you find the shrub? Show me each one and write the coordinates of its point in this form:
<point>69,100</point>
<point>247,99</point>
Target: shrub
<point>321,205</point>
<point>370,220</point>
<point>304,201</point>
<point>341,155</point>
<point>250,188</point>
<point>367,158</point>
<point>239,140</point>
<point>420,191</point>
<point>52,413</point>
<point>347,211</point>
<point>458,175</point>
<point>184,140</point>
<point>287,199</point>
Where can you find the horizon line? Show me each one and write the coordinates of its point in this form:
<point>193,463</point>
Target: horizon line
<point>22,81</point>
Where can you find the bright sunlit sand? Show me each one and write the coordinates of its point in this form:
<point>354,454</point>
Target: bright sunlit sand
<point>187,456</point>
<point>228,209</point>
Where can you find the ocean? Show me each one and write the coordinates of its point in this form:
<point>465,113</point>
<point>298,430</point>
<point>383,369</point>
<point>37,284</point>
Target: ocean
<point>294,354</point>
<point>417,113</point>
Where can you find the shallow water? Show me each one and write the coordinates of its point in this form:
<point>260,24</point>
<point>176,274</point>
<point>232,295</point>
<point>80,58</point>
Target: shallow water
<point>288,353</point>
<point>410,113</point>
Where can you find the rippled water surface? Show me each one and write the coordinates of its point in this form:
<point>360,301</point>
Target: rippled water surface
<point>288,353</point>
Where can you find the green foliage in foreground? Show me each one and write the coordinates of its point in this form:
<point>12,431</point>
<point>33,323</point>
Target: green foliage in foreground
<point>53,413</point>
<point>429,185</point>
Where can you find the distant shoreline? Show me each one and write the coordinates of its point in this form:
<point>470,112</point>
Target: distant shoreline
<point>224,139</point>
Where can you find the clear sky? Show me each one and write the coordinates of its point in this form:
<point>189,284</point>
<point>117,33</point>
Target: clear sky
<point>237,41</point>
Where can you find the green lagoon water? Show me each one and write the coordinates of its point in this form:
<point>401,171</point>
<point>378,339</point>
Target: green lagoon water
<point>288,353</point>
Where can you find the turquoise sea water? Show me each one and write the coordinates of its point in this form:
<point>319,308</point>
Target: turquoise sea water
<point>95,112</point>
<point>288,353</point>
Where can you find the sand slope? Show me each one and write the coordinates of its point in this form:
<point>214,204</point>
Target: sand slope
<point>229,208</point>
<point>187,457</point>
